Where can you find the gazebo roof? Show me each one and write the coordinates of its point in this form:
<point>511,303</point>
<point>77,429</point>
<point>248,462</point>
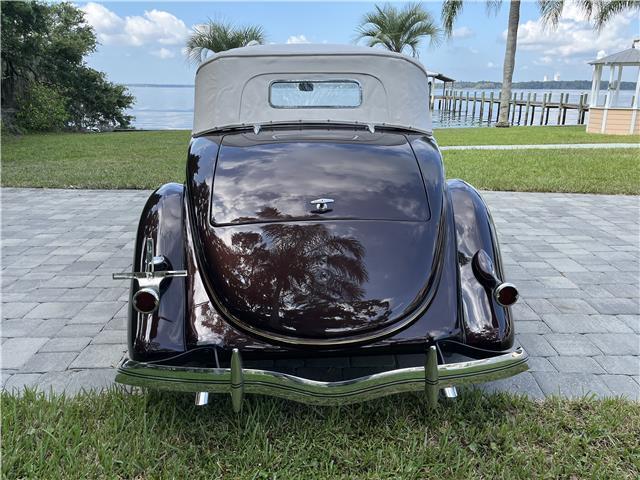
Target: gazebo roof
<point>630,56</point>
<point>441,77</point>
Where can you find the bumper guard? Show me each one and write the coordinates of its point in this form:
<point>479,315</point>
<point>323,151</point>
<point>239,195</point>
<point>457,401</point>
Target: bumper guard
<point>237,380</point>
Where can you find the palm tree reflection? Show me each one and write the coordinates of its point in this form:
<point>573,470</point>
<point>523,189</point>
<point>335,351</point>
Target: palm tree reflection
<point>296,276</point>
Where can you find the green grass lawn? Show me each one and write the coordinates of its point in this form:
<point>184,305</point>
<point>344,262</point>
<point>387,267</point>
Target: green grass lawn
<point>149,159</point>
<point>526,136</point>
<point>579,171</point>
<point>115,435</point>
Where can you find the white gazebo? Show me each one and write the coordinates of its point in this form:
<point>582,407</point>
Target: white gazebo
<point>608,113</point>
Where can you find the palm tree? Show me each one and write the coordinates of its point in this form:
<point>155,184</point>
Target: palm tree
<point>451,9</point>
<point>550,11</point>
<point>600,10</point>
<point>396,29</point>
<point>213,37</point>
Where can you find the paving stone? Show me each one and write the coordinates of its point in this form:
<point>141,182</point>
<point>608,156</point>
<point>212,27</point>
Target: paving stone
<point>617,343</point>
<point>99,356</point>
<point>622,385</point>
<point>571,344</point>
<point>111,336</point>
<point>557,282</point>
<point>17,351</point>
<point>20,327</point>
<point>5,375</point>
<point>118,323</point>
<point>56,310</point>
<point>48,362</point>
<point>572,305</point>
<point>572,385</point>
<point>80,294</point>
<point>531,327</point>
<point>620,364</point>
<point>50,327</point>
<point>616,306</point>
<point>578,323</point>
<point>523,383</point>
<point>66,344</point>
<point>576,364</point>
<point>97,312</point>
<point>91,380</point>
<point>79,330</point>
<point>576,270</point>
<point>536,345</point>
<point>18,382</point>
<point>17,309</point>
<point>541,305</point>
<point>54,382</point>
<point>540,364</point>
<point>632,321</point>
<point>522,311</point>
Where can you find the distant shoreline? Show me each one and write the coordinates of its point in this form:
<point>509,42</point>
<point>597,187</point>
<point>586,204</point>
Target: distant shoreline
<point>480,85</point>
<point>159,85</point>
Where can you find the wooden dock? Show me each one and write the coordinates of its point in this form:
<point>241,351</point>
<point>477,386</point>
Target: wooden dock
<point>533,109</point>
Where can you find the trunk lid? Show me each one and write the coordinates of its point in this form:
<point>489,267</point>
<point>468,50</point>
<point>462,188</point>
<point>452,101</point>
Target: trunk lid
<point>284,268</point>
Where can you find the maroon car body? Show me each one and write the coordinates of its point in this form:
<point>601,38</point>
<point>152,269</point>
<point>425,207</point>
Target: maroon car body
<point>315,252</point>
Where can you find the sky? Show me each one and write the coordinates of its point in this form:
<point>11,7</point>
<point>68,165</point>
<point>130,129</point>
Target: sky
<point>142,42</point>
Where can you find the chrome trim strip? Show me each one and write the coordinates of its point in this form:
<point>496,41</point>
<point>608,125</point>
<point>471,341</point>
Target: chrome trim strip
<point>236,381</point>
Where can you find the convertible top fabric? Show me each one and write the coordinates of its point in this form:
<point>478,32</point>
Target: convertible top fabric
<point>232,87</point>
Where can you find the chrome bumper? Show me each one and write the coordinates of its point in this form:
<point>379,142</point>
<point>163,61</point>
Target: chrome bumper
<point>237,380</point>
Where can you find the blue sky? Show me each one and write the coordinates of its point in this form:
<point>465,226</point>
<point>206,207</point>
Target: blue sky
<point>141,42</point>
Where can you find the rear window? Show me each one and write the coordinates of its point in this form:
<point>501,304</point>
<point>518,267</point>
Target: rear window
<point>315,94</point>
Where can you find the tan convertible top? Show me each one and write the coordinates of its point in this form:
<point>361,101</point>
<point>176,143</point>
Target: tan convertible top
<point>233,87</point>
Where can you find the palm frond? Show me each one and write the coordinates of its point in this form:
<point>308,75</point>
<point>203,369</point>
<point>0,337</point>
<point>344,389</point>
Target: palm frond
<point>213,37</point>
<point>606,10</point>
<point>550,12</point>
<point>492,7</point>
<point>451,9</point>
<point>398,29</point>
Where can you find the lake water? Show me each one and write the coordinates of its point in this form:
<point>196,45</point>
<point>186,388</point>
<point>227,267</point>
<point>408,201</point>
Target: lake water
<point>164,108</point>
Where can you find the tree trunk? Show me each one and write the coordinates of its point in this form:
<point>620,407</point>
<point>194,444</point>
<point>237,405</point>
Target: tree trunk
<point>509,63</point>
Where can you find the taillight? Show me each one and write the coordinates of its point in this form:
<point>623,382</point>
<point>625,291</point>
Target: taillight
<point>146,300</point>
<point>506,294</point>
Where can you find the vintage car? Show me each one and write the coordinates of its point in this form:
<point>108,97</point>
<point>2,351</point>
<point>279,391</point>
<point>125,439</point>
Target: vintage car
<point>316,251</point>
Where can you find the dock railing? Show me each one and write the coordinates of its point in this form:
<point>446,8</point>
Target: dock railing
<point>533,109</point>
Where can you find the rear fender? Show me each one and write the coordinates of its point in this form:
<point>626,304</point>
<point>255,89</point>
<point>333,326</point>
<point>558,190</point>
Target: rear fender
<point>161,332</point>
<point>486,323</point>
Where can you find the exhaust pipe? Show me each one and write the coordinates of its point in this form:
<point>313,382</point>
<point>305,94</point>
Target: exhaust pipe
<point>506,294</point>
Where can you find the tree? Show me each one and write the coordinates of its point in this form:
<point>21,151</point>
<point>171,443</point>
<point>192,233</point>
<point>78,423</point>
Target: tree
<point>213,37</point>
<point>43,50</point>
<point>599,11</point>
<point>451,9</point>
<point>550,11</point>
<point>397,30</point>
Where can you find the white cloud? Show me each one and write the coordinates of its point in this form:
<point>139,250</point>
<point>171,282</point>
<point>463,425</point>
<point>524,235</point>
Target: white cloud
<point>163,53</point>
<point>297,39</point>
<point>462,32</point>
<point>601,54</point>
<point>153,27</point>
<point>574,40</point>
<point>491,65</point>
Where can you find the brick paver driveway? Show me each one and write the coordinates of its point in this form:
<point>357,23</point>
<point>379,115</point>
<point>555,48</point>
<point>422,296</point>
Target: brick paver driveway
<point>574,257</point>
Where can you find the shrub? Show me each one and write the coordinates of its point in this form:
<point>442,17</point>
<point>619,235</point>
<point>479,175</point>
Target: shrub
<point>41,109</point>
